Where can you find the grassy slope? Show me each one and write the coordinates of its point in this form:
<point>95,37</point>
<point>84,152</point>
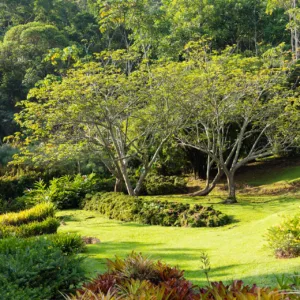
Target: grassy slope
<point>236,251</point>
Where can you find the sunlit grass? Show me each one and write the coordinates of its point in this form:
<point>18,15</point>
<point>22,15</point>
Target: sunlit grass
<point>236,251</point>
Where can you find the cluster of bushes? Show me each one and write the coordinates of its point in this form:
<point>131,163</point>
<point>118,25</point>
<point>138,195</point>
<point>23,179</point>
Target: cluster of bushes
<point>66,191</point>
<point>164,185</point>
<point>19,192</point>
<point>31,222</point>
<point>44,267</point>
<point>284,239</point>
<point>126,208</point>
<point>137,277</point>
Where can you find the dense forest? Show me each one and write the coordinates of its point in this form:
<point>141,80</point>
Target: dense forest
<point>126,87</point>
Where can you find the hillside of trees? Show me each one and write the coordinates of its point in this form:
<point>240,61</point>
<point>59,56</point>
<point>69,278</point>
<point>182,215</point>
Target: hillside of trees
<point>128,87</point>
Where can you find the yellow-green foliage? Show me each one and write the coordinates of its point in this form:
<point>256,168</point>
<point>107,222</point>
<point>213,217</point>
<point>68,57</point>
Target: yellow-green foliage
<point>284,238</point>
<point>37,213</point>
<point>34,228</point>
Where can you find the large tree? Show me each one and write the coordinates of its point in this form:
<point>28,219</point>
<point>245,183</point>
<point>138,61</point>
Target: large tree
<point>242,109</point>
<point>120,117</point>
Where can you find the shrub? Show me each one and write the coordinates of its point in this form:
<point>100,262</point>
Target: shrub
<point>284,239</point>
<point>237,290</point>
<point>37,269</point>
<point>126,208</point>
<point>136,277</point>
<point>164,185</point>
<point>66,191</point>
<point>38,213</point>
<point>68,243</point>
<point>290,284</point>
<point>114,205</point>
<point>47,226</point>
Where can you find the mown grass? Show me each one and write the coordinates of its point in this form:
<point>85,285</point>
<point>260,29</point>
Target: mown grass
<point>236,251</point>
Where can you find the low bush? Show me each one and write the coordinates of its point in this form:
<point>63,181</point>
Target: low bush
<point>136,277</point>
<point>37,213</point>
<point>153,212</point>
<point>47,226</point>
<point>37,269</point>
<point>284,239</point>
<point>68,243</point>
<point>164,185</point>
<point>114,205</point>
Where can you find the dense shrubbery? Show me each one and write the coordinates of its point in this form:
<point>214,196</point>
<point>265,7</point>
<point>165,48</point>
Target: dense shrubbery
<point>126,208</point>
<point>66,191</point>
<point>68,243</point>
<point>284,239</point>
<point>141,278</point>
<point>38,213</point>
<point>47,226</point>
<point>164,185</point>
<point>38,268</point>
<point>35,221</point>
<point>8,205</point>
<point>12,187</point>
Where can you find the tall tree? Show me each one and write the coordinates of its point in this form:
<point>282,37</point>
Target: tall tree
<point>101,109</point>
<point>238,102</point>
<point>292,9</point>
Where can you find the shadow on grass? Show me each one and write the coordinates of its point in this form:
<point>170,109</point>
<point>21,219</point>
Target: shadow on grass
<point>69,218</point>
<point>109,250</point>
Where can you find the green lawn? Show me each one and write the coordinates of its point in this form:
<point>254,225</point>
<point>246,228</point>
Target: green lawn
<point>236,251</point>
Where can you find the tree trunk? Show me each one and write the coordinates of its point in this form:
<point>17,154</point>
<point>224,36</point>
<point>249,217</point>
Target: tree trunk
<point>231,188</point>
<point>127,183</point>
<point>118,185</point>
<point>139,184</point>
<point>203,192</point>
<point>209,186</point>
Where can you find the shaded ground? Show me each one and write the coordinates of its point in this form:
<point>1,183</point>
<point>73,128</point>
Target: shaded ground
<point>268,177</point>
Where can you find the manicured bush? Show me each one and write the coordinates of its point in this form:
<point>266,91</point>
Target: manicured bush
<point>153,212</point>
<point>68,243</point>
<point>136,277</point>
<point>47,226</point>
<point>164,185</point>
<point>284,239</point>
<point>37,213</point>
<point>37,269</point>
<point>114,205</point>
